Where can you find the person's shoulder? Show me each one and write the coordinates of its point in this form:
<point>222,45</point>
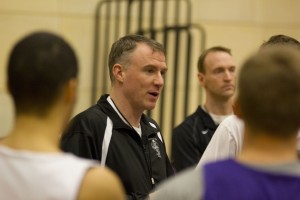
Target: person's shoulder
<point>185,185</point>
<point>90,115</point>
<point>232,119</point>
<point>232,123</point>
<point>89,122</point>
<point>91,112</point>
<point>186,126</point>
<point>101,183</point>
<point>195,116</point>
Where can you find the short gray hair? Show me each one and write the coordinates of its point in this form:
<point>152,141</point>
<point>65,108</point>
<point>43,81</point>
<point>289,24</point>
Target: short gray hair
<point>123,47</point>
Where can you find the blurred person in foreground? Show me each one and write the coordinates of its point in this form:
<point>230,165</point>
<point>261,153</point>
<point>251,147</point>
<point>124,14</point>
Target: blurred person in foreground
<point>268,166</point>
<point>42,80</point>
<point>228,138</point>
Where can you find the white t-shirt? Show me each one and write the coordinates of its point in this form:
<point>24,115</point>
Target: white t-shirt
<point>227,141</point>
<point>36,176</point>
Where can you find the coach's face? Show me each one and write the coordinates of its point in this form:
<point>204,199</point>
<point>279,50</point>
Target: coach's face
<point>144,77</point>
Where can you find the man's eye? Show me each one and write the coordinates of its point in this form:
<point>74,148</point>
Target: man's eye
<point>218,71</point>
<point>232,69</point>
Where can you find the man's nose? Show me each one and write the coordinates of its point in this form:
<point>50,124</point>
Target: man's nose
<point>159,80</point>
<point>228,75</point>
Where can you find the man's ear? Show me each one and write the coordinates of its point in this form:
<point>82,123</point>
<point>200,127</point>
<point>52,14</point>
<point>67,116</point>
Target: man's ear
<point>118,72</point>
<point>201,78</point>
<point>237,108</point>
<point>71,91</point>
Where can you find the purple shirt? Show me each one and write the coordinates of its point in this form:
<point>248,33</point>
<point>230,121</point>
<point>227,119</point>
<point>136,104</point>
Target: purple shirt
<point>233,181</point>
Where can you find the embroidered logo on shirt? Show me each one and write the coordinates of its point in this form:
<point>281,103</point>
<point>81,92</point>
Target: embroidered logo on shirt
<point>204,132</point>
<point>155,147</point>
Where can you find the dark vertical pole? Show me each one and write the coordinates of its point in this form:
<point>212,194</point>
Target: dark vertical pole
<point>187,72</point>
<point>96,54</point>
<point>175,77</point>
<point>152,17</point>
<point>140,17</point>
<point>106,47</point>
<point>128,16</point>
<point>118,21</point>
<point>152,32</point>
<point>177,13</point>
<point>176,58</point>
<point>202,47</point>
<point>188,57</point>
<point>165,12</point>
<point>165,43</point>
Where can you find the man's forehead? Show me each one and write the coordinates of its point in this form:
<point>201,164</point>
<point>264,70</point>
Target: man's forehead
<point>148,47</point>
<point>145,50</point>
<point>220,57</point>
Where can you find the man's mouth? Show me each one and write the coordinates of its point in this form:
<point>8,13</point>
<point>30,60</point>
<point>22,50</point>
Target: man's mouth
<point>155,94</point>
<point>228,86</point>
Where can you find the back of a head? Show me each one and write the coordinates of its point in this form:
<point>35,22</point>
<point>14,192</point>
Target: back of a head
<point>39,65</point>
<point>123,47</point>
<point>280,40</point>
<point>269,91</point>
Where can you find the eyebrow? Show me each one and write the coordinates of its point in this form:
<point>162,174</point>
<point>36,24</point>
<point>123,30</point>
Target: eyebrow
<point>225,67</point>
<point>165,68</point>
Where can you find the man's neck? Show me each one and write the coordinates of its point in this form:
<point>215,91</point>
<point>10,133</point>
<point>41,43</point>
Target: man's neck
<point>219,106</point>
<point>131,114</point>
<point>34,134</point>
<point>265,149</point>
